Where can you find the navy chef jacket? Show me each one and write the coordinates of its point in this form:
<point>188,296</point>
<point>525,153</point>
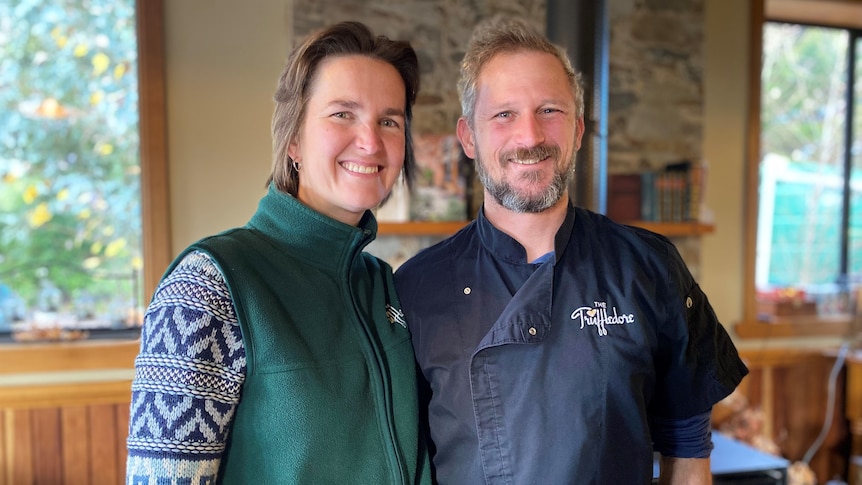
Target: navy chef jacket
<point>549,373</point>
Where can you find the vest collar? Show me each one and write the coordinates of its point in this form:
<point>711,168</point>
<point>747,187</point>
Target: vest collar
<point>295,227</point>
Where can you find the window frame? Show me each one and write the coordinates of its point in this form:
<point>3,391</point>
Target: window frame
<point>834,13</point>
<point>155,212</point>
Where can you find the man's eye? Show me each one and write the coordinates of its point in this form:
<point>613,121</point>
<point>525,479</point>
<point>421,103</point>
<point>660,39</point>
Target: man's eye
<point>390,123</point>
<point>340,114</point>
<point>504,114</point>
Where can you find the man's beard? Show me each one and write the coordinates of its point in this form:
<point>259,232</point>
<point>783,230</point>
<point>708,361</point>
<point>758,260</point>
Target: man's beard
<point>510,198</point>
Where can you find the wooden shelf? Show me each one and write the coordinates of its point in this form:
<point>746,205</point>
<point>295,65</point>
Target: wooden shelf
<point>674,229</point>
<point>420,228</point>
<point>800,326</point>
<point>428,228</point>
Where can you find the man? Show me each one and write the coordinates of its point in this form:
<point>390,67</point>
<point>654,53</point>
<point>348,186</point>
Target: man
<point>558,346</point>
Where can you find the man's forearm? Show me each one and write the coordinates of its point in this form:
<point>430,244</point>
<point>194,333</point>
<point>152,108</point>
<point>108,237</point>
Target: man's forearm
<point>684,471</point>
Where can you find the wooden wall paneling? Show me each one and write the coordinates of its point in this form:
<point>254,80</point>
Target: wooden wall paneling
<point>104,455</point>
<point>75,439</point>
<point>4,447</point>
<point>122,433</point>
<point>21,446</point>
<point>4,450</point>
<point>47,441</point>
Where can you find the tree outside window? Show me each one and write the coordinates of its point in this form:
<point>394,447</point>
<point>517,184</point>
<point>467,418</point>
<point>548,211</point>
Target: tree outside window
<point>810,195</point>
<point>70,199</point>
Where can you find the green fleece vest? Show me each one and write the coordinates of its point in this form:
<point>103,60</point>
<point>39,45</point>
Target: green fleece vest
<point>330,389</point>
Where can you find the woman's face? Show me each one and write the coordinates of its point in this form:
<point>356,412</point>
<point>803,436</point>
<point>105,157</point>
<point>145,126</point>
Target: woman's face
<point>351,143</point>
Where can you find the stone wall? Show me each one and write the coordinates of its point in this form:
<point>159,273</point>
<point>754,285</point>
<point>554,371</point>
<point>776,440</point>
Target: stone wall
<point>655,111</point>
<point>656,80</point>
<point>437,29</point>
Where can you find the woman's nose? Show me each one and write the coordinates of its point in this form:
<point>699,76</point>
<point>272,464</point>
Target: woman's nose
<point>368,137</point>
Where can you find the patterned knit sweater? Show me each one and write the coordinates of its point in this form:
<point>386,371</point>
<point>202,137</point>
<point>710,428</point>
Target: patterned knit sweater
<point>188,378</point>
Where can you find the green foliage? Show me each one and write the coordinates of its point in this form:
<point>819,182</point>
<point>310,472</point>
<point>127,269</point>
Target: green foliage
<point>70,192</point>
<point>803,92</point>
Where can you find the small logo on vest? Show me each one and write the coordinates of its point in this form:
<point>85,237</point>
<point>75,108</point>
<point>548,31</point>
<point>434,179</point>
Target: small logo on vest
<point>597,316</point>
<point>395,315</point>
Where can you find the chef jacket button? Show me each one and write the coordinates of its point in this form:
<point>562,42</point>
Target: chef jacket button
<point>467,290</point>
<point>688,302</point>
<point>532,331</point>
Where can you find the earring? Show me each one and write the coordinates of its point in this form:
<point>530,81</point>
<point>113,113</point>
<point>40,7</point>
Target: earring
<point>297,165</point>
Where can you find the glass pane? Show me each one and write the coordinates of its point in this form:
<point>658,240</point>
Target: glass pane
<point>855,239</point>
<point>70,222</point>
<point>801,171</point>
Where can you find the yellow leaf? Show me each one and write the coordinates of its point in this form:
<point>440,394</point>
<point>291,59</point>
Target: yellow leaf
<point>119,71</point>
<point>84,214</point>
<point>40,215</point>
<point>9,177</point>
<point>100,63</point>
<point>137,262</point>
<point>81,50</point>
<point>91,263</point>
<point>105,149</point>
<point>114,247</point>
<point>63,194</point>
<point>97,97</point>
<point>56,32</point>
<point>62,41</point>
<point>30,194</point>
<point>96,248</point>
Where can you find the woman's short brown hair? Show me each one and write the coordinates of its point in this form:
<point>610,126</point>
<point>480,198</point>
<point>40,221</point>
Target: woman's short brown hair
<point>300,73</point>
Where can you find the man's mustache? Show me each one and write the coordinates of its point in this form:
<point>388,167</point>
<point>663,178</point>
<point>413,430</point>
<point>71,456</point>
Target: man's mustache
<point>538,152</point>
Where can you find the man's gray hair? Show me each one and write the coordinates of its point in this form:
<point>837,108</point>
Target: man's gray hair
<point>501,35</point>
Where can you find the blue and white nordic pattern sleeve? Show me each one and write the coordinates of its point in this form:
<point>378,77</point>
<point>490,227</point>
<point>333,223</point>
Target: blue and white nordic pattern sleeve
<point>188,378</point>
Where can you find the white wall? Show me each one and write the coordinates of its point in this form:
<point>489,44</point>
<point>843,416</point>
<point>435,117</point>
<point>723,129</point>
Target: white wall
<point>725,104</point>
<point>223,62</point>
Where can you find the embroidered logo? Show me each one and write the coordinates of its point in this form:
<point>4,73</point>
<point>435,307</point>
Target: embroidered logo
<point>395,315</point>
<point>598,316</point>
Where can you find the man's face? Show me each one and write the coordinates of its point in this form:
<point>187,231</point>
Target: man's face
<point>525,132</point>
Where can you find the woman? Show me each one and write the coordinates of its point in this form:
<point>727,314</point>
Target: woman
<point>276,352</point>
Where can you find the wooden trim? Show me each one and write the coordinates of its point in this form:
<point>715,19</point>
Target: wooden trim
<point>155,209</point>
<point>65,395</point>
<point>833,13</point>
<point>428,228</point>
<point>789,328</point>
<point>757,358</point>
<point>155,200</point>
<point>675,229</point>
<point>752,162</point>
<point>420,228</point>
<point>73,356</point>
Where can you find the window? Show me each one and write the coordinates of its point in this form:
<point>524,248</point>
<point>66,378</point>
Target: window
<point>83,218</point>
<point>807,184</point>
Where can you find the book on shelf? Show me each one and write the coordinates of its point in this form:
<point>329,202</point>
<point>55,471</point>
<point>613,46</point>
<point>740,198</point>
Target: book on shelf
<point>672,193</point>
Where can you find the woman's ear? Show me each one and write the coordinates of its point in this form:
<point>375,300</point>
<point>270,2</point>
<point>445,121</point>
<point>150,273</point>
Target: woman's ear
<point>292,150</point>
